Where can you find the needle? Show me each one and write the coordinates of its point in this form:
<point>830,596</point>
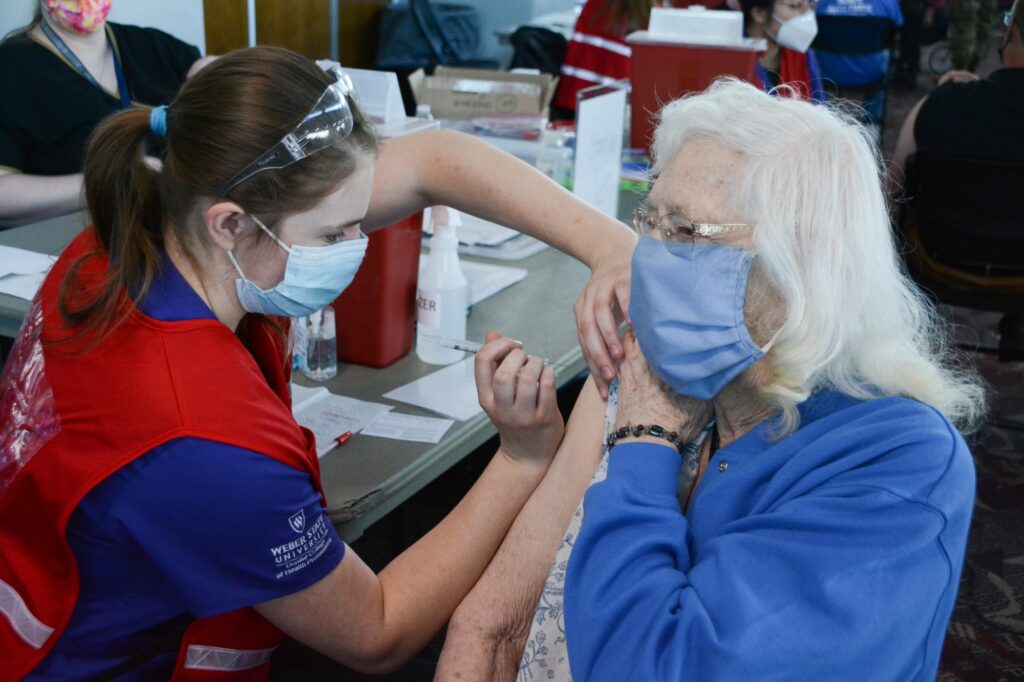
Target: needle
<point>472,346</point>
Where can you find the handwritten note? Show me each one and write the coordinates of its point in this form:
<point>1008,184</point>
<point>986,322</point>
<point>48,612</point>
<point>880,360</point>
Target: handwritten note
<point>600,117</point>
<point>328,415</point>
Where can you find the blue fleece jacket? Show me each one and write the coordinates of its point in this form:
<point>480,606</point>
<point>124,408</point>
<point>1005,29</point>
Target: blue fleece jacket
<point>831,554</point>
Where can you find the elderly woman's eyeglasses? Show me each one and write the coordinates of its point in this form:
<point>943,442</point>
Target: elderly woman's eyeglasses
<point>675,227</point>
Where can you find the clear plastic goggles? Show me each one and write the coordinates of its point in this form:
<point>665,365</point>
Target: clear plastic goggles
<point>329,121</point>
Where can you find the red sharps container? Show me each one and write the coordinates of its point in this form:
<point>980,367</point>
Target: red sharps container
<point>665,69</point>
<point>376,315</point>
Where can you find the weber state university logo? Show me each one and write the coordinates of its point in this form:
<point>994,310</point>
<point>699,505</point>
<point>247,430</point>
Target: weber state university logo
<point>298,521</point>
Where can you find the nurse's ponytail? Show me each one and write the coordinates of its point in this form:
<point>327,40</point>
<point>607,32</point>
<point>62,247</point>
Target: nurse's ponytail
<point>123,196</point>
<point>140,187</point>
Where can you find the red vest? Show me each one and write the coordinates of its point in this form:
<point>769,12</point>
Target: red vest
<point>598,51</point>
<point>74,414</point>
<point>595,54</point>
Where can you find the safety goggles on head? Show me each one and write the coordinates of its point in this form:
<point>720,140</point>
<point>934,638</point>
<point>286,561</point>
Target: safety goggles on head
<point>329,121</point>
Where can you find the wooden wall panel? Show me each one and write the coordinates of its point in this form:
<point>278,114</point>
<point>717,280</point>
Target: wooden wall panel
<point>300,25</point>
<point>358,34</point>
<point>225,25</point>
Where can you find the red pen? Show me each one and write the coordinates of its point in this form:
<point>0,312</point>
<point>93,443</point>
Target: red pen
<point>343,438</point>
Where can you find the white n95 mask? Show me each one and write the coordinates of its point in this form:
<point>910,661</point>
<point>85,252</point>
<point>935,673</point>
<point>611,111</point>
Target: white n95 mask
<point>313,277</point>
<point>797,33</point>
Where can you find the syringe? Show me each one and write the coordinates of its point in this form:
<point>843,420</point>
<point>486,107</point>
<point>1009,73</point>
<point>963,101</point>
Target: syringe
<point>473,346</point>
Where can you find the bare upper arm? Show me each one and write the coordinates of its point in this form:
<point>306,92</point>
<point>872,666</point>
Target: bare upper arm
<point>905,146</point>
<point>396,185</point>
<point>341,616</point>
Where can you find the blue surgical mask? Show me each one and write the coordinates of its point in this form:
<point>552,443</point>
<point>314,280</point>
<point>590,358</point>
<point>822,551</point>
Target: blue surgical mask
<point>313,277</point>
<point>686,307</point>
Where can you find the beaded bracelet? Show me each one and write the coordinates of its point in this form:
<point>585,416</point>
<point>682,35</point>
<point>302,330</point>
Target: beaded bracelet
<point>641,430</point>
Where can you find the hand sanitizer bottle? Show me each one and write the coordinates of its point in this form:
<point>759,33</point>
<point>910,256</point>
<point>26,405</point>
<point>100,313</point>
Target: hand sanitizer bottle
<point>442,296</point>
<point>321,346</point>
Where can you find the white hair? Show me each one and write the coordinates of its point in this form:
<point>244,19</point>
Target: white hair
<point>811,183</point>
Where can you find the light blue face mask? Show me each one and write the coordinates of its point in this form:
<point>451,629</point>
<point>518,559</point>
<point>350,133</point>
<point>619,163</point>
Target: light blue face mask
<point>686,307</point>
<point>313,277</point>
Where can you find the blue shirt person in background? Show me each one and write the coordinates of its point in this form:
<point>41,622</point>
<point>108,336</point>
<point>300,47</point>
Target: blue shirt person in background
<point>862,69</point>
<point>859,70</point>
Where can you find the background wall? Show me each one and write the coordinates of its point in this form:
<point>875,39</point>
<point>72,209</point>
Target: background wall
<point>277,22</point>
<point>300,25</point>
<point>181,18</point>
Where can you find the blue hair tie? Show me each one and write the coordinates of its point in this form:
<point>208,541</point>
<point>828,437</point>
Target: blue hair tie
<point>158,120</point>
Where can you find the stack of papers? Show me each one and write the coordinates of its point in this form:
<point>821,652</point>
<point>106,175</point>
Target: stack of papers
<point>328,415</point>
<point>22,272</point>
<point>408,427</point>
<point>450,391</point>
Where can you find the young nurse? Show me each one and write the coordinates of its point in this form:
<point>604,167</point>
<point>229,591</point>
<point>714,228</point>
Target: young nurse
<point>160,509</point>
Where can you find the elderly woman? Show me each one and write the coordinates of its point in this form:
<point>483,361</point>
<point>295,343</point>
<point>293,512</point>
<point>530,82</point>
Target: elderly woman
<point>784,493</point>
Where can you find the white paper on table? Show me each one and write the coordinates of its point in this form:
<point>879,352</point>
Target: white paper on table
<point>485,280</point>
<point>15,261</point>
<point>407,427</point>
<point>471,230</point>
<point>22,286</point>
<point>516,248</point>
<point>600,117</point>
<point>329,415</point>
<point>483,232</point>
<point>450,391</point>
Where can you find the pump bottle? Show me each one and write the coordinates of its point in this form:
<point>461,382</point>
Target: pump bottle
<point>442,296</point>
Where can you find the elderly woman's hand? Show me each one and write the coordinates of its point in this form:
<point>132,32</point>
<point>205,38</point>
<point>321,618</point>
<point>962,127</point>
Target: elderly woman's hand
<point>518,393</point>
<point>601,308</point>
<point>644,399</point>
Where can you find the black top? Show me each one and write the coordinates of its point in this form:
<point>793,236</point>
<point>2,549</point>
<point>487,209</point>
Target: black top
<point>48,110</point>
<point>984,118</point>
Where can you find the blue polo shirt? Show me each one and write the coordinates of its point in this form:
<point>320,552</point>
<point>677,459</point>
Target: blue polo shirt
<point>193,528</point>
<point>857,70</point>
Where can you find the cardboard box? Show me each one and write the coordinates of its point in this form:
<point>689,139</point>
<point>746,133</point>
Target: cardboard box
<point>475,93</point>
